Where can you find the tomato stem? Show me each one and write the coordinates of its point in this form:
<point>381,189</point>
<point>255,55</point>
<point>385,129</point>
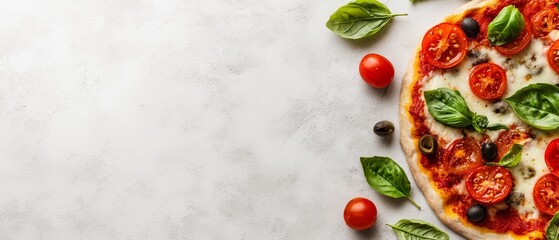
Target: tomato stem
<point>415,204</point>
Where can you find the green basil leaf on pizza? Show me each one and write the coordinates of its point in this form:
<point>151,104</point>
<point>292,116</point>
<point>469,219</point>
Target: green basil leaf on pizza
<point>414,229</point>
<point>552,231</point>
<point>537,105</point>
<point>479,122</point>
<point>497,126</point>
<point>512,157</point>
<point>387,177</point>
<point>506,26</point>
<point>448,107</point>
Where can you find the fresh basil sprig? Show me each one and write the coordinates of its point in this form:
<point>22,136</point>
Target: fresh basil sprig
<point>387,177</point>
<point>449,108</point>
<point>552,231</point>
<point>360,18</point>
<point>537,105</point>
<point>414,229</point>
<point>511,158</point>
<point>506,26</point>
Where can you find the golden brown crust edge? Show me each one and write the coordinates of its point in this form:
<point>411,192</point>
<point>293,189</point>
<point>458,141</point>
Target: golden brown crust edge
<point>409,147</point>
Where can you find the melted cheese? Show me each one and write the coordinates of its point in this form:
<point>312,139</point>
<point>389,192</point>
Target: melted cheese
<point>529,66</point>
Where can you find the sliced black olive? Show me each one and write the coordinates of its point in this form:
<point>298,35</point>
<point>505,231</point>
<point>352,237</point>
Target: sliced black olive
<point>428,145</point>
<point>500,107</point>
<point>477,57</point>
<point>383,128</point>
<point>533,67</point>
<point>527,172</point>
<point>489,151</point>
<point>510,64</point>
<point>515,199</point>
<point>470,26</point>
<point>476,213</point>
<point>472,53</point>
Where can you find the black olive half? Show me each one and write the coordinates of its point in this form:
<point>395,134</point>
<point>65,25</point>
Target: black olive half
<point>527,172</point>
<point>383,128</point>
<point>489,151</point>
<point>470,27</point>
<point>500,107</point>
<point>476,213</point>
<point>515,199</point>
<point>427,145</point>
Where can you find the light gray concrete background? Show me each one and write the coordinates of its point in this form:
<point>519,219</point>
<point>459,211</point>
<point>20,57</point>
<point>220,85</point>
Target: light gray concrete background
<point>215,119</point>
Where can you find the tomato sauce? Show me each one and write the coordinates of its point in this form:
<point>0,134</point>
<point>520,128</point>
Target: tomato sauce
<point>505,218</point>
<point>416,111</point>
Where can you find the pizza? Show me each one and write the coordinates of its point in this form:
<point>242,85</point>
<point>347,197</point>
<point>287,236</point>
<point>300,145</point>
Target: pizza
<point>479,117</point>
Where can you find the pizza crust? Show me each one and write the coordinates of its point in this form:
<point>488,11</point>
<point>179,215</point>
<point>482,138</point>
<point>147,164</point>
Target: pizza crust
<point>409,145</point>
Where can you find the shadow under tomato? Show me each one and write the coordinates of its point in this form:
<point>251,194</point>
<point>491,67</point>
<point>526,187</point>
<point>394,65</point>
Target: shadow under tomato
<point>377,91</point>
<point>367,233</point>
<point>386,93</point>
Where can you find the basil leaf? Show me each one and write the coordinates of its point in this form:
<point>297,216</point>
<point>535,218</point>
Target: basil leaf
<point>414,229</point>
<point>448,107</point>
<point>497,126</point>
<point>506,26</point>
<point>552,231</point>
<point>387,177</point>
<point>537,105</point>
<point>513,156</point>
<point>480,123</point>
<point>360,18</point>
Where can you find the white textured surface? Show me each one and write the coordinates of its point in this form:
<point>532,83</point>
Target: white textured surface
<point>216,119</point>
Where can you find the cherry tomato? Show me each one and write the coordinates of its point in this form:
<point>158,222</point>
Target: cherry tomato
<point>360,213</point>
<point>462,155</point>
<point>553,56</point>
<point>489,184</point>
<point>519,44</point>
<point>376,70</point>
<point>545,21</point>
<point>445,45</point>
<point>507,138</point>
<point>546,194</point>
<point>488,81</point>
<point>552,156</point>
